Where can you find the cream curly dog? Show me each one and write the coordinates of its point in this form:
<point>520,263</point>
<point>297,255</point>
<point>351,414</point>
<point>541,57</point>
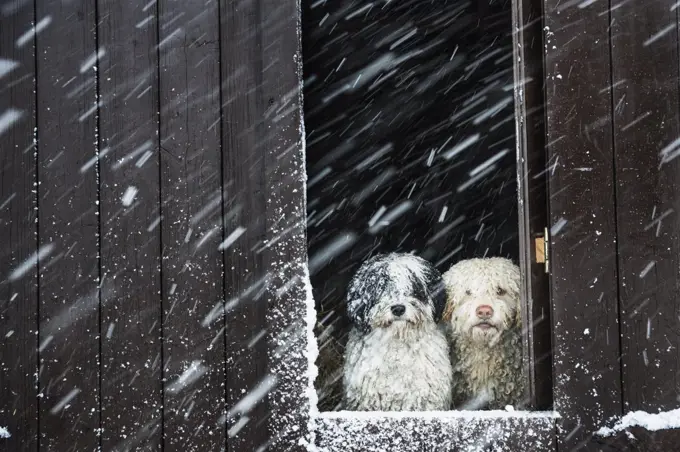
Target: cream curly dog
<point>485,332</point>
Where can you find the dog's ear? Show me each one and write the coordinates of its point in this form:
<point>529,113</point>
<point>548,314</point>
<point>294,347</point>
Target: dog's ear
<point>517,320</point>
<point>439,296</point>
<point>450,281</point>
<point>357,311</point>
<point>365,287</point>
<point>513,284</point>
<point>358,305</point>
<point>448,310</point>
<point>436,291</point>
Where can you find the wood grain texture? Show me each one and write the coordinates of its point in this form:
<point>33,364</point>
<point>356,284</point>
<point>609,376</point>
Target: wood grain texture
<point>131,322</point>
<point>533,215</point>
<point>646,122</point>
<point>639,439</point>
<point>245,211</point>
<point>18,228</point>
<point>587,386</point>
<point>68,221</point>
<point>191,224</point>
<point>286,254</point>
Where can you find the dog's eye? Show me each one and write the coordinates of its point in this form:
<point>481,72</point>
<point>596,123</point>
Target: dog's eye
<point>467,292</point>
<point>501,291</point>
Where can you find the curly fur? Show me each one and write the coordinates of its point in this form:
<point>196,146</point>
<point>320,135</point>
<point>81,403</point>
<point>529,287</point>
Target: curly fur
<point>487,350</point>
<point>396,362</point>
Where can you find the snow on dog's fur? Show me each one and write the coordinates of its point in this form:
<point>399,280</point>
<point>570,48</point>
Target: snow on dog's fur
<point>485,318</point>
<point>396,359</point>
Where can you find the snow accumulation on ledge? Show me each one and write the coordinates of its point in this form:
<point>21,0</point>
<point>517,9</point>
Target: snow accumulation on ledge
<point>368,415</point>
<point>649,421</point>
<point>464,431</point>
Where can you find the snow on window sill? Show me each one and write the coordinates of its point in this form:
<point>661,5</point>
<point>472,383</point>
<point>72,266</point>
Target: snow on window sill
<point>465,431</point>
<point>491,414</point>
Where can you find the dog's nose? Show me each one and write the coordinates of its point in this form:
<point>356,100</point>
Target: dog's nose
<point>484,311</point>
<point>398,309</point>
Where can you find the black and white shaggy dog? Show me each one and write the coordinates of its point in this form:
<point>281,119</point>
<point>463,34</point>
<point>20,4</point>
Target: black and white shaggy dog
<point>483,311</point>
<point>397,358</point>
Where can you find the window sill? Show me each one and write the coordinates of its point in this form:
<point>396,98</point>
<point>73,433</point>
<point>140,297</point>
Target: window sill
<point>346,431</point>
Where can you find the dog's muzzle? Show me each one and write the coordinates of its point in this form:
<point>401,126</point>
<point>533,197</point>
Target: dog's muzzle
<point>398,310</point>
<point>484,313</point>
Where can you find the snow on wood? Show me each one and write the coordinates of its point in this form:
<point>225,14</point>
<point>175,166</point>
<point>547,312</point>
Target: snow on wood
<point>494,431</point>
<point>488,414</point>
<point>649,421</point>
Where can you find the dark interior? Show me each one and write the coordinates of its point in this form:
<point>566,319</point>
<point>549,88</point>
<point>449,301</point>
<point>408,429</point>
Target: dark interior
<point>392,88</point>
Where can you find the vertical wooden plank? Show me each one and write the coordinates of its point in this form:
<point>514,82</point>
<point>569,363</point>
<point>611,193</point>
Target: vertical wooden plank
<point>18,241</point>
<point>130,247</point>
<point>582,212</point>
<point>647,125</point>
<point>191,186</point>
<point>245,194</point>
<point>533,203</point>
<point>290,313</point>
<point>68,221</point>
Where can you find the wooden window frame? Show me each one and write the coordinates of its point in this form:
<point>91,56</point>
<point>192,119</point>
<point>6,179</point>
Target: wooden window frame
<point>294,420</point>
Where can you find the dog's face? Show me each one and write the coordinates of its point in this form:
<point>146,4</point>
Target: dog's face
<point>395,291</point>
<point>483,298</point>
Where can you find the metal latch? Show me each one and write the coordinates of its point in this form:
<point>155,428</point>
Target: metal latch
<point>541,249</point>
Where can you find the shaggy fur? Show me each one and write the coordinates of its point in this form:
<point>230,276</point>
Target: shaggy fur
<point>484,315</point>
<point>396,359</point>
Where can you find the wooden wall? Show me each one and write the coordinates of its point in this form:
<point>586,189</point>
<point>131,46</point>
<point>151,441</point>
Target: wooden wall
<point>612,108</point>
<point>150,180</point>
<point>139,144</point>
